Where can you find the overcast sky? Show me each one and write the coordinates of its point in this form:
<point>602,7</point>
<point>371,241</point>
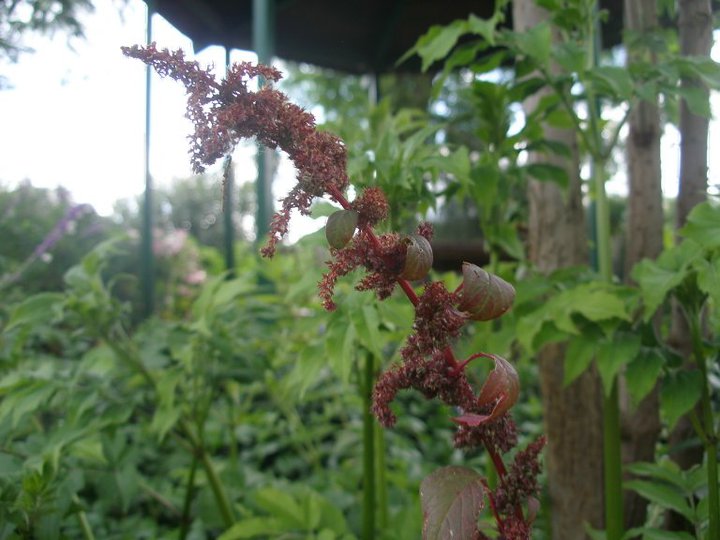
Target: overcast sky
<point>76,117</point>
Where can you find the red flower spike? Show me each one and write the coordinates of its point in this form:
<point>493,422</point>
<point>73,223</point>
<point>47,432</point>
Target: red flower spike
<point>484,296</point>
<point>501,390</point>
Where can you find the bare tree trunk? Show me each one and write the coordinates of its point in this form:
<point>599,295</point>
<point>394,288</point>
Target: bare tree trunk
<point>695,25</point>
<point>573,415</point>
<point>641,427</point>
<point>695,40</point>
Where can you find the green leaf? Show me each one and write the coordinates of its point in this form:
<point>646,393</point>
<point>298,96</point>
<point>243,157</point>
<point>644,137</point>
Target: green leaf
<point>571,56</point>
<point>281,505</point>
<point>483,27</point>
<point>340,344</point>
<point>666,471</point>
<point>696,99</point>
<point>613,355</point>
<point>642,373</point>
<point>436,43</point>
<point>703,225</point>
<point>679,394</point>
<point>663,495</point>
<point>612,80</point>
<point>536,42</point>
<point>708,278</point>
<point>547,172</point>
<point>452,498</point>
<point>266,527</point>
<point>366,321</point>
<point>36,310</point>
<point>655,283</point>
<point>578,357</point>
<point>650,533</point>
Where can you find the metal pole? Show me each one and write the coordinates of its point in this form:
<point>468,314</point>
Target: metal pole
<point>146,254</point>
<point>263,43</point>
<point>228,204</point>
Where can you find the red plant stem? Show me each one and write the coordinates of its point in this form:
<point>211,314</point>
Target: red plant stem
<point>493,508</point>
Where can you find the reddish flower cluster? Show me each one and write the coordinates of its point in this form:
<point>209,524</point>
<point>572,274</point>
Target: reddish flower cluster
<point>372,207</point>
<point>225,112</point>
<point>520,483</point>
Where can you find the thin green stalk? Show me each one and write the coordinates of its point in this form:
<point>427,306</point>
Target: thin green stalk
<point>189,494</point>
<point>217,489</point>
<point>83,521</point>
<point>614,524</point>
<point>711,441</point>
<point>368,509</point>
<point>380,478</point>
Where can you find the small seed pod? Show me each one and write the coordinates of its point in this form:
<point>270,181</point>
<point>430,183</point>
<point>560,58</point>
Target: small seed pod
<point>484,296</point>
<point>418,259</point>
<point>340,227</point>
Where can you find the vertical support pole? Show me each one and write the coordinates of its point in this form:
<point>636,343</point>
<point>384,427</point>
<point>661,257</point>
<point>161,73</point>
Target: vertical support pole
<point>263,43</point>
<point>228,204</point>
<point>146,253</point>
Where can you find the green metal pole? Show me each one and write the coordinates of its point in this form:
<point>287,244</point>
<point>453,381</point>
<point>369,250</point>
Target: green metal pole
<point>228,204</point>
<point>146,254</point>
<point>263,43</point>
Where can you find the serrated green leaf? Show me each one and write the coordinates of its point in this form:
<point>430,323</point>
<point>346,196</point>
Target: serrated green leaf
<point>482,27</point>
<point>612,80</point>
<point>663,495</point>
<point>650,533</point>
<point>283,506</point>
<point>36,310</point>
<point>366,321</point>
<point>570,55</point>
<point>703,226</point>
<point>613,355</point>
<point>436,43</point>
<point>267,527</point>
<point>655,283</point>
<point>547,172</point>
<point>578,357</point>
<point>679,393</point>
<point>536,42</point>
<point>340,344</point>
<point>642,373</point>
<point>696,99</point>
<point>666,470</point>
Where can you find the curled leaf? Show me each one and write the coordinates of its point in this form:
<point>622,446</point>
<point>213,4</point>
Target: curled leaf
<point>501,389</point>
<point>419,258</point>
<point>340,227</point>
<point>484,296</point>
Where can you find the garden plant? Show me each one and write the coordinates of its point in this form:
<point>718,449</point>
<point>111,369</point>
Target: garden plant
<point>223,113</point>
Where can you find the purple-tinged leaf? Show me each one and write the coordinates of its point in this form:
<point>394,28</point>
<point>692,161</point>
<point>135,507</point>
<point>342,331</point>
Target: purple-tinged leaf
<point>452,498</point>
<point>501,389</point>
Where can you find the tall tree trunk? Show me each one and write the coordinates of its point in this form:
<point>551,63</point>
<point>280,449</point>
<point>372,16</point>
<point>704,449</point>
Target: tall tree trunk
<point>573,415</point>
<point>695,25</point>
<point>695,20</point>
<point>641,426</point>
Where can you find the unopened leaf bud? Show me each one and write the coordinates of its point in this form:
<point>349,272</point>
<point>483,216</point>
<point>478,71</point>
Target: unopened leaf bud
<point>484,296</point>
<point>340,228</point>
<point>418,258</point>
